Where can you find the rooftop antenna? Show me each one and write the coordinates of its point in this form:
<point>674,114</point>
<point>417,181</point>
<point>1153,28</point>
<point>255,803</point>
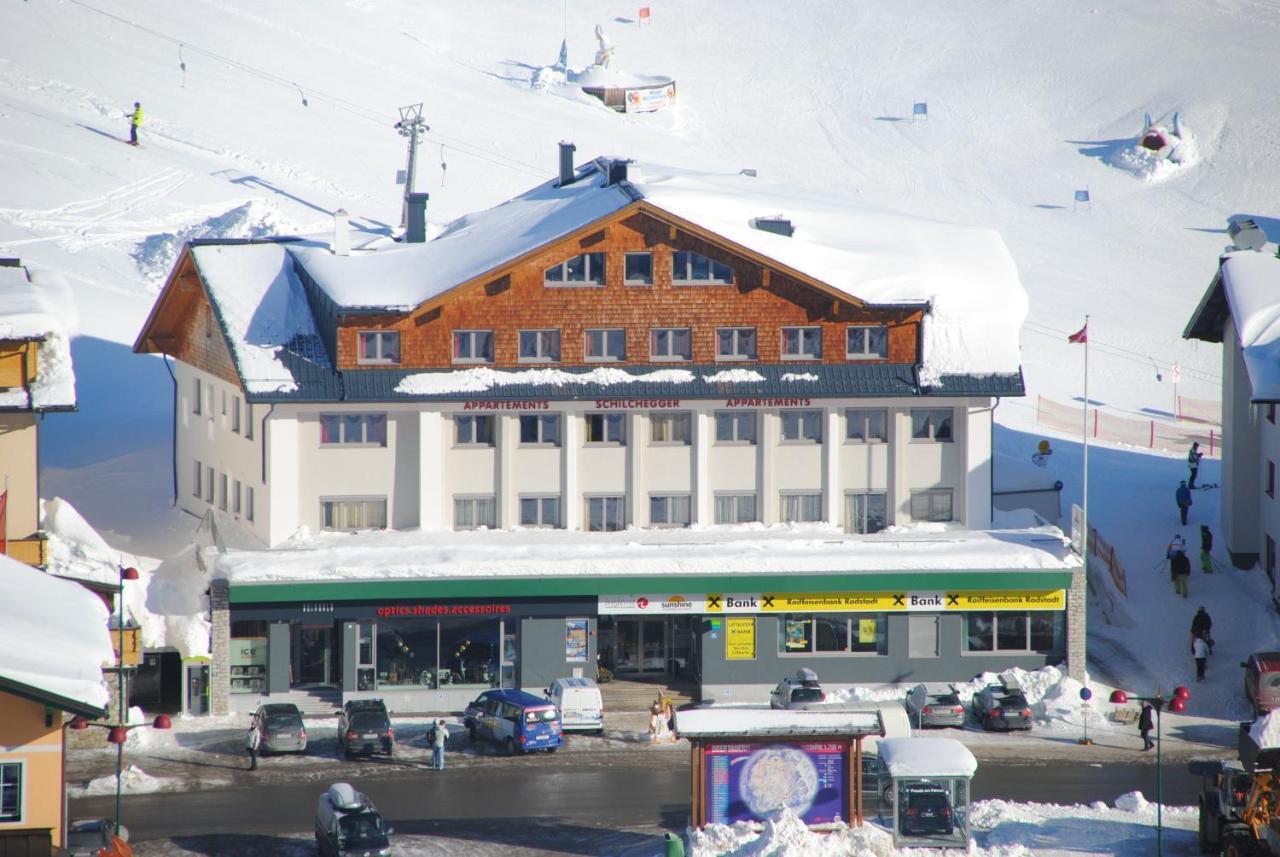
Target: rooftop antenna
<point>413,126</point>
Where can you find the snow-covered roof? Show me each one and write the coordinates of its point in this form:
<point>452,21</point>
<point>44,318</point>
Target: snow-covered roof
<point>53,635</point>
<point>263,307</point>
<point>926,757</point>
<point>715,550</point>
<point>37,305</point>
<point>739,722</point>
<point>1252,283</point>
<point>76,551</point>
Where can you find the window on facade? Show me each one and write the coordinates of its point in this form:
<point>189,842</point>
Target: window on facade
<point>695,269</point>
<point>407,654</point>
<point>931,424</point>
<point>224,403</point>
<point>1271,479</point>
<point>208,484</point>
<point>540,512</point>
<point>673,428</point>
<point>235,497</point>
<point>222,491</point>
<point>470,513</point>
<point>669,510</point>
<point>735,343</point>
<point>235,414</point>
<point>248,421</point>
<point>10,792</point>
<point>802,426</point>
<point>473,346</point>
<point>639,269</point>
<point>353,429</point>
<point>379,346</point>
<point>1271,413</point>
<point>866,343</point>
<point>801,343</point>
<point>351,513</point>
<point>539,346</point>
<point>208,401</point>
<point>934,505</point>
<point>736,508</point>
<point>196,488</point>
<point>540,429</point>
<point>801,507</point>
<point>835,633</point>
<point>586,269</point>
<point>473,429</point>
<point>670,343</point>
<point>606,514</point>
<point>1039,632</point>
<point>865,513</point>
<point>606,428</point>
<point>735,426</point>
<point>197,396</point>
<point>248,503</point>
<point>606,344</point>
<point>866,425</point>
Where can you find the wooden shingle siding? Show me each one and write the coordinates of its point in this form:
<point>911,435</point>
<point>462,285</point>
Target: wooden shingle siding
<point>17,364</point>
<point>184,327</point>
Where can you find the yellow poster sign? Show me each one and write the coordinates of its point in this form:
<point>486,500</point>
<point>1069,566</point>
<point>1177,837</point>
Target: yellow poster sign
<point>132,646</point>
<point>867,631</point>
<point>740,639</point>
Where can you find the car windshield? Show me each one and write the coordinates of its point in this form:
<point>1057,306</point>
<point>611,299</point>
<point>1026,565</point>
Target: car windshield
<point>806,694</point>
<point>283,720</point>
<point>362,827</point>
<point>540,715</point>
<point>368,721</point>
<point>1012,702</point>
<point>928,800</point>
<point>944,699</point>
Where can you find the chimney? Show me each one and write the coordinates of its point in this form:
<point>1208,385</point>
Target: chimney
<point>566,162</point>
<point>341,233</point>
<point>416,230</point>
<point>617,172</point>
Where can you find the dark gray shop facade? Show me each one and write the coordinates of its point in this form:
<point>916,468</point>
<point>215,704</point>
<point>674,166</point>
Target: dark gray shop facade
<point>432,645</point>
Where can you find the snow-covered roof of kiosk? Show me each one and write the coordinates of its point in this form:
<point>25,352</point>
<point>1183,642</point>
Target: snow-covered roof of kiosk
<point>36,305</point>
<point>698,550</point>
<point>926,757</point>
<point>964,274</point>
<point>53,636</point>
<point>712,722</point>
<point>1252,283</point>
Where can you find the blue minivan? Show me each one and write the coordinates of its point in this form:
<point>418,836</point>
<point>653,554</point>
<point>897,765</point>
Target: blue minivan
<point>516,721</point>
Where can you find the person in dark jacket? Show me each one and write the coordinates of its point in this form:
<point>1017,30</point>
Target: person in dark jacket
<point>1202,627</point>
<point>1146,724</point>
<point>1183,496</point>
<point>1206,548</point>
<point>1180,569</point>
<point>1193,464</point>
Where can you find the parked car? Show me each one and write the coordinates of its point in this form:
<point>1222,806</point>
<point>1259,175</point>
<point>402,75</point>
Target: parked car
<point>1262,681</point>
<point>348,824</point>
<point>934,705</point>
<point>94,837</point>
<point>364,727</point>
<point>799,691</point>
<point>926,811</point>
<point>581,706</point>
<point>516,721</point>
<point>280,729</point>
<point>1002,706</point>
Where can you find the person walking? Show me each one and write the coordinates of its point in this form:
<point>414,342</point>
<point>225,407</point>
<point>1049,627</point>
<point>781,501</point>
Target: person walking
<point>1193,464</point>
<point>1206,548</point>
<point>135,122</point>
<point>1200,651</point>
<point>1183,496</point>
<point>1145,725</point>
<point>1180,570</point>
<point>251,741</point>
<point>439,737</point>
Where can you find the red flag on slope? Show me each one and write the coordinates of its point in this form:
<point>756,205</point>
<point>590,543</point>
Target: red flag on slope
<point>1081,335</point>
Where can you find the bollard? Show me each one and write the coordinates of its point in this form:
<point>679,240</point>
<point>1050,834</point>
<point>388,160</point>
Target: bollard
<point>675,846</point>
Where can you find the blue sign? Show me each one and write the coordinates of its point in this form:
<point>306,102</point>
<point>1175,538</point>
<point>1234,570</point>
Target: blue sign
<point>920,108</point>
<point>1082,196</point>
<point>1086,694</point>
<point>754,782</point>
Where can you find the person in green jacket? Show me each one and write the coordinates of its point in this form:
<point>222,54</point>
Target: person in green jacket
<point>135,122</point>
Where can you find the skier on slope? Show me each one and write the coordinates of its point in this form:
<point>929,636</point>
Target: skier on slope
<point>135,122</point>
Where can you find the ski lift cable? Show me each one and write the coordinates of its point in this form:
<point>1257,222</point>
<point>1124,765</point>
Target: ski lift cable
<point>1118,351</point>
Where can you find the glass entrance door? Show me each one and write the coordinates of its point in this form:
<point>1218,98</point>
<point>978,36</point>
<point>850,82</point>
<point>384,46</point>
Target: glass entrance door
<point>641,645</point>
<point>315,655</point>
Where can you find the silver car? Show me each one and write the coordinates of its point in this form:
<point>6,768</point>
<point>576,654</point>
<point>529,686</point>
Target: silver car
<point>280,728</point>
<point>89,837</point>
<point>934,705</point>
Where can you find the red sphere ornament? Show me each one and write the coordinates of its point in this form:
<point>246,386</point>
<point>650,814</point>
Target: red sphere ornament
<point>117,735</point>
<point>1119,697</point>
<point>129,573</point>
<point>1177,705</point>
<point>162,721</point>
<point>1180,692</point>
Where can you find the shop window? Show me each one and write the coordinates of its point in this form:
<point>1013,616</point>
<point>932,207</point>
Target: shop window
<point>540,512</point>
<point>606,345</point>
<point>669,510</point>
<point>469,653</point>
<point>248,503</point>
<point>408,653</point>
<point>935,505</point>
<point>606,429</point>
<point>866,343</point>
<point>736,343</point>
<point>208,484</point>
<point>865,513</point>
<point>931,424</point>
<point>248,420</point>
<point>639,269</point>
<point>471,513</point>
<point>353,429</point>
<point>837,633</point>
<point>11,776</point>
<point>695,269</point>
<point>586,269</point>
<point>671,428</point>
<point>801,343</point>
<point>196,487</point>
<point>866,425</point>
<point>670,344</point>
<point>378,346</point>
<point>801,507</point>
<point>539,346</point>
<point>736,509</point>
<point>473,429</point>
<point>351,513</point>
<point>606,514</point>
<point>235,497</point>
<point>1011,631</point>
<point>736,427</point>
<point>540,429</point>
<point>249,628</point>
<point>473,346</point>
<point>802,426</point>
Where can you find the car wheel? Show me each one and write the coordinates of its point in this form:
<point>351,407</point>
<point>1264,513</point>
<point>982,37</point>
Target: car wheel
<point>509,747</point>
<point>1205,845</point>
<point>1238,843</point>
<point>471,733</point>
<point>552,749</point>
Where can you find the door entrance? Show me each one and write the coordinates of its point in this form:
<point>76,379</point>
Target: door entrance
<point>315,655</point>
<point>641,645</point>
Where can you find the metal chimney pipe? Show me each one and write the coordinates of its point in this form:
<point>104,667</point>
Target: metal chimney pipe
<point>566,162</point>
<point>416,229</point>
<point>341,233</point>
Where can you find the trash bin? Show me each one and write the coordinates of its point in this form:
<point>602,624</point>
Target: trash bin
<point>675,846</point>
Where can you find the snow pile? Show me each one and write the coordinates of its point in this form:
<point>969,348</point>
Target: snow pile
<point>36,303</point>
<point>75,548</point>
<point>1265,731</point>
<point>481,379</point>
<point>1006,829</point>
<point>133,781</point>
<point>735,376</point>
<point>171,604</point>
<point>787,836</point>
<point>156,254</point>
<point>53,634</point>
<point>1152,165</point>
<point>799,376</point>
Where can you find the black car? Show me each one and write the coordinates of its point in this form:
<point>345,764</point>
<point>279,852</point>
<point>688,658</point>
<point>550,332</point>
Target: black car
<point>926,811</point>
<point>1001,706</point>
<point>364,727</point>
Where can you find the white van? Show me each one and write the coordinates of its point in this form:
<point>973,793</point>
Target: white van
<point>581,706</point>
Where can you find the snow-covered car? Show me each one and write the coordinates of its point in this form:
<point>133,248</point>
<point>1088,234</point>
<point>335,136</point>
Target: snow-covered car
<point>934,705</point>
<point>1002,706</point>
<point>799,691</point>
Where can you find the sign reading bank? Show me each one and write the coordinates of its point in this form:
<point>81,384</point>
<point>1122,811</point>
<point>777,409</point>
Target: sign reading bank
<point>716,603</point>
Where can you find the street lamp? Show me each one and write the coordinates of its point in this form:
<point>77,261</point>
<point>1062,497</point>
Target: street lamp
<point>1177,704</point>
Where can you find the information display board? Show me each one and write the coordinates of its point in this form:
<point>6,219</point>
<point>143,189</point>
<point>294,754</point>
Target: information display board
<point>750,782</point>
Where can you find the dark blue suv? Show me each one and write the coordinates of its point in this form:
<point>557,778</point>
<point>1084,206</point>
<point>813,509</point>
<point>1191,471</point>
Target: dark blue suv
<point>516,721</point>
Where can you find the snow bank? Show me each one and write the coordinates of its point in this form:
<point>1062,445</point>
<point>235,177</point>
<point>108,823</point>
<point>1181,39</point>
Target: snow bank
<point>925,757</point>
<point>481,379</point>
<point>1152,165</point>
<point>1252,283</point>
<point>736,376</point>
<point>133,781</point>
<point>170,603</point>
<point>1265,731</point>
<point>787,836</point>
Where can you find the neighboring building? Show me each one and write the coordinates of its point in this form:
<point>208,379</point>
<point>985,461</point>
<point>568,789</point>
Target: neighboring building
<point>1241,309</point>
<point>51,664</point>
<point>626,346</point>
<point>35,378</point>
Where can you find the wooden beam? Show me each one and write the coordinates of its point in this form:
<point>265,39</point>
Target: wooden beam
<point>764,277</point>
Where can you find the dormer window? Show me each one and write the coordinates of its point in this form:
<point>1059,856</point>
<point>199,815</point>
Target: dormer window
<point>379,346</point>
<point>586,269</point>
<point>865,342</point>
<point>694,269</point>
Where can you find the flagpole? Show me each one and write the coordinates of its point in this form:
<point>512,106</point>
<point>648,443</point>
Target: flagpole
<point>1084,436</point>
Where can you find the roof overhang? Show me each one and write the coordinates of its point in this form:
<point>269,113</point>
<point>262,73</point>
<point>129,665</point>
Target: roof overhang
<point>53,700</point>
